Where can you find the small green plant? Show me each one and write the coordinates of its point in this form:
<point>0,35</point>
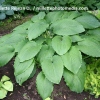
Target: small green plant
<point>92,81</point>
<point>5,86</point>
<point>56,43</point>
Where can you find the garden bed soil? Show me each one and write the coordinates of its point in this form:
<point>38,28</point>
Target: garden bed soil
<point>28,90</point>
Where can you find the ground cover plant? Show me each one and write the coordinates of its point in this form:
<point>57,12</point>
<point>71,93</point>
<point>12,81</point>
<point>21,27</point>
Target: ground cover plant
<point>5,86</point>
<point>91,4</point>
<point>92,81</point>
<point>56,45</point>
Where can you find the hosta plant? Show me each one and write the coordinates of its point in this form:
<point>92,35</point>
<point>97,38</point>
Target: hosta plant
<point>5,10</point>
<point>90,4</point>
<point>5,86</point>
<point>56,43</point>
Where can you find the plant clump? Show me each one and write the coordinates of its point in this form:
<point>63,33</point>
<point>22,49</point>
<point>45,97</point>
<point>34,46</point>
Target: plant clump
<point>56,43</point>
<point>92,81</point>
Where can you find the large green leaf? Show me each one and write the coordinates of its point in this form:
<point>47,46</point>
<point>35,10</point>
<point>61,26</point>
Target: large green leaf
<point>6,53</point>
<point>53,68</point>
<point>90,47</point>
<point>24,26</point>
<point>38,17</point>
<point>70,15</point>
<point>20,45</point>
<point>72,59</point>
<point>20,67</point>
<point>45,53</point>
<point>67,27</point>
<point>88,21</point>
<point>61,44</point>
<point>44,86</point>
<point>12,39</point>
<point>36,29</point>
<point>29,51</point>
<point>51,17</point>
<point>4,38</point>
<point>74,81</point>
<point>22,77</point>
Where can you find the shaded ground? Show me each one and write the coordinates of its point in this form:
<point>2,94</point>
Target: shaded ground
<point>28,90</point>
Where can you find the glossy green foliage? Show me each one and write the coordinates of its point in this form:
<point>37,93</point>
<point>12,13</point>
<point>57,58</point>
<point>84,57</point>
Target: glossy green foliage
<point>56,46</point>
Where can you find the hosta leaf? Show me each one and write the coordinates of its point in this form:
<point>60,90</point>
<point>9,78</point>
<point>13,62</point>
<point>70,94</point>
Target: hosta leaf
<point>6,53</point>
<point>61,44</point>
<point>20,67</point>
<point>70,15</point>
<point>3,93</point>
<point>38,17</point>
<point>5,37</point>
<point>90,47</point>
<point>94,34</point>
<point>9,12</point>
<point>67,27</point>
<point>74,81</point>
<point>45,53</point>
<point>48,98</point>
<point>36,29</point>
<point>20,45</point>
<point>24,26</point>
<point>88,21</point>
<point>5,78</point>
<point>33,72</point>
<point>51,17</point>
<point>8,85</point>
<point>49,42</point>
<point>2,16</point>
<point>72,59</point>
<point>76,38</point>
<point>29,51</point>
<point>40,40</point>
<point>12,39</point>
<point>83,67</point>
<point>74,14</point>
<point>44,86</point>
<point>22,77</point>
<point>53,69</point>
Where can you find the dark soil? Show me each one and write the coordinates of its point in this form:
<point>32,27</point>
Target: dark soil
<point>28,91</point>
